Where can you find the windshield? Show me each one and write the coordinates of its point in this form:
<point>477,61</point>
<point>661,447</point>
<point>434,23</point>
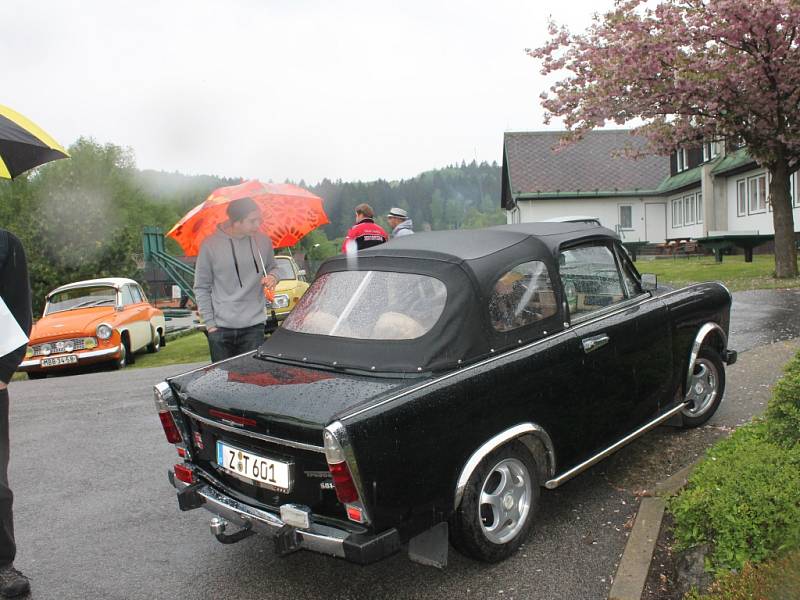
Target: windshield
<point>369,305</point>
<point>285,270</point>
<point>83,297</point>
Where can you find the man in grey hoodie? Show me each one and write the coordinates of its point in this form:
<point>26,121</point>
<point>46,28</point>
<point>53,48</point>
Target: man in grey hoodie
<point>235,266</point>
<point>400,223</point>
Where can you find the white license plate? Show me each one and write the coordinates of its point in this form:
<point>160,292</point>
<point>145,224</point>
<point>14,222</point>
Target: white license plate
<point>252,467</point>
<point>54,361</point>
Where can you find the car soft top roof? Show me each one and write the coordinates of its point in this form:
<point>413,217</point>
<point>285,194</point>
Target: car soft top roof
<point>468,262</point>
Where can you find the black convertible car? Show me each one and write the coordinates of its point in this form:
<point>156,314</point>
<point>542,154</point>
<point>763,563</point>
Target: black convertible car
<point>427,390</point>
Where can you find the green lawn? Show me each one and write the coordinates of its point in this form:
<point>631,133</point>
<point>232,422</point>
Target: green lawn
<point>186,349</point>
<point>732,271</point>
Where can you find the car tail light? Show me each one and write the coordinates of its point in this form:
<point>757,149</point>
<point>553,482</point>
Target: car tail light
<point>354,513</point>
<point>343,482</point>
<point>181,452</point>
<point>184,474</point>
<point>170,429</point>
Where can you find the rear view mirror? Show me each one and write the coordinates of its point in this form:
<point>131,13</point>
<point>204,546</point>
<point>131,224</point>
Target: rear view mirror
<point>649,281</point>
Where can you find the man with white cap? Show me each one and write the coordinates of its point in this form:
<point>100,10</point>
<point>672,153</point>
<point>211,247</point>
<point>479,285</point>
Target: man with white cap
<point>400,223</point>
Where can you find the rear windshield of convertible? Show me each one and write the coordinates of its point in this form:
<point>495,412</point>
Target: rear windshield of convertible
<point>369,305</point>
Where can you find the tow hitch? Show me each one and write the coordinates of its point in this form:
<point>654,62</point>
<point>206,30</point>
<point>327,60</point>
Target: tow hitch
<point>218,526</point>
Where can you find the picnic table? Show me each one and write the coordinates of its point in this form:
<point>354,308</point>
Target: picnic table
<point>724,240</point>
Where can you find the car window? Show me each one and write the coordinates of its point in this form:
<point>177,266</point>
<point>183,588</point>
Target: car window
<point>285,270</point>
<point>127,297</point>
<point>628,279</point>
<point>136,293</point>
<point>82,297</point>
<point>141,294</point>
<point>522,296</point>
<point>590,278</point>
<point>370,305</point>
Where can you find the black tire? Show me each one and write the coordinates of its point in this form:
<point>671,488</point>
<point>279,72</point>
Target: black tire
<point>472,524</point>
<point>36,375</point>
<point>155,345</point>
<point>122,361</point>
<point>163,340</point>
<point>709,375</point>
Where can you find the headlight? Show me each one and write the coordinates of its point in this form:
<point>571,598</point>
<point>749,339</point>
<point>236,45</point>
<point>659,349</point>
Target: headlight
<point>104,331</point>
<point>69,346</point>
<point>280,301</point>
<point>46,349</point>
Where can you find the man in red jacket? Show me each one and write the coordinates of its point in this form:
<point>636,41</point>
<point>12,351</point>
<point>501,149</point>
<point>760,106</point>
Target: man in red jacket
<point>365,232</point>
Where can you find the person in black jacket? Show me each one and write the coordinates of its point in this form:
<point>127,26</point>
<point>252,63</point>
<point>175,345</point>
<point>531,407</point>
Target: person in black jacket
<point>15,289</point>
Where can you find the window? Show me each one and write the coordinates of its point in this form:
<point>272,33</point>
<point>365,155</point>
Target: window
<point>522,296</point>
<point>626,217</point>
<point>137,294</point>
<point>83,297</point>
<point>677,212</point>
<point>688,210</point>
<point>699,207</point>
<point>683,159</point>
<point>710,151</point>
<point>741,198</point>
<point>369,305</point>
<point>756,194</point>
<point>793,190</point>
<point>127,297</point>
<point>590,279</point>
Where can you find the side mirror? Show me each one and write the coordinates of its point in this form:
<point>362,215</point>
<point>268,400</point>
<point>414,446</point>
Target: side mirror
<point>649,281</point>
<point>302,272</point>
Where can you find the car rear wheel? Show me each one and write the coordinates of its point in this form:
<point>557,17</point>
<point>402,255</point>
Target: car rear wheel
<point>155,345</point>
<point>706,387</point>
<point>498,507</point>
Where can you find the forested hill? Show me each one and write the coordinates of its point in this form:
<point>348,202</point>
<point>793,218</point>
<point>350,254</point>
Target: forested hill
<point>456,197</point>
<point>84,217</point>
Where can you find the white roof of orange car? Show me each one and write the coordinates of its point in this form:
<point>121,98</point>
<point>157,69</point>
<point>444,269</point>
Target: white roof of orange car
<point>116,282</point>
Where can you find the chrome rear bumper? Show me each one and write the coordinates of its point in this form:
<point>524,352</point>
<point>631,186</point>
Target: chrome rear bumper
<point>324,539</point>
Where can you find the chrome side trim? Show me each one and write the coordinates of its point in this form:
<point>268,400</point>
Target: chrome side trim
<point>319,538</point>
<point>338,431</point>
<point>259,436</point>
<point>702,334</point>
<point>494,443</point>
<point>567,475</point>
<point>35,362</point>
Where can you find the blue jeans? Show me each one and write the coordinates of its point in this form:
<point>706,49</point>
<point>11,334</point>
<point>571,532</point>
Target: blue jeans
<point>226,342</point>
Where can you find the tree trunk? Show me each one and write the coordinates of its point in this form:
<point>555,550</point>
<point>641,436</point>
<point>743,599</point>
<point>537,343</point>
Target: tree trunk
<point>783,220</point>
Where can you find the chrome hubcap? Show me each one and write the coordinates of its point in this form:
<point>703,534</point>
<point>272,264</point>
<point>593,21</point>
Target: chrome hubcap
<point>505,500</point>
<point>703,388</point>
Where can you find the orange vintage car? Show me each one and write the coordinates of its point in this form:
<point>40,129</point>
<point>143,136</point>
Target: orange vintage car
<point>98,320</point>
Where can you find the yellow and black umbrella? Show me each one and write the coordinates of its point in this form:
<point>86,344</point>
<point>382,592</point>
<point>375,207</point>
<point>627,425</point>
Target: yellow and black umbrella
<point>24,145</point>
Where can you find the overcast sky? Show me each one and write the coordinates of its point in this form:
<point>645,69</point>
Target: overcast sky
<point>283,89</point>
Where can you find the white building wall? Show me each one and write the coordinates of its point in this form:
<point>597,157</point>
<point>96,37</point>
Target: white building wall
<point>686,214</point>
<point>607,210</point>
<point>749,217</point>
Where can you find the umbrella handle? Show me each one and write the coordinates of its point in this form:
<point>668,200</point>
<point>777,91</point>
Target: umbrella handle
<point>268,293</point>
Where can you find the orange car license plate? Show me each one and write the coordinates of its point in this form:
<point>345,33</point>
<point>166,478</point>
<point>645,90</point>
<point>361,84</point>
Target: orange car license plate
<point>54,361</point>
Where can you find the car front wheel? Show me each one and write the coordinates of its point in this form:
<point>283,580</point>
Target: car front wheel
<point>706,387</point>
<point>498,507</point>
<point>155,345</point>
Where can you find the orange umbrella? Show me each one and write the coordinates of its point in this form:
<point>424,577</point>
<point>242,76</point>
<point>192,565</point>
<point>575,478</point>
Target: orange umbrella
<point>289,212</point>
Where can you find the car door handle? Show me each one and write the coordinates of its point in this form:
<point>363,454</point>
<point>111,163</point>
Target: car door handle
<point>595,342</point>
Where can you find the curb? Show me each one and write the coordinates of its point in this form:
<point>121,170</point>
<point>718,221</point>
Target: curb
<point>634,566</point>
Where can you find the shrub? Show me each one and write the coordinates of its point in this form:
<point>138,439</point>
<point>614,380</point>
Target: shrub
<point>776,580</point>
<point>783,410</point>
<point>743,499</point>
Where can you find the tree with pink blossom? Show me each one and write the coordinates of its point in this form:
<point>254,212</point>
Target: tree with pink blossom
<point>685,72</point>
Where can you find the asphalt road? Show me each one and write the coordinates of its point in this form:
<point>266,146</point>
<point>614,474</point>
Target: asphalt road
<point>97,519</point>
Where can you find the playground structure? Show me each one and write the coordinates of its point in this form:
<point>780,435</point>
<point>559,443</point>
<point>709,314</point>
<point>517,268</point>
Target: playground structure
<point>156,255</point>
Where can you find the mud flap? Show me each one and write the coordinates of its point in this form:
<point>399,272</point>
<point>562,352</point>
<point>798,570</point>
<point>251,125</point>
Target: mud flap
<point>287,540</point>
<point>189,499</point>
<point>430,547</point>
